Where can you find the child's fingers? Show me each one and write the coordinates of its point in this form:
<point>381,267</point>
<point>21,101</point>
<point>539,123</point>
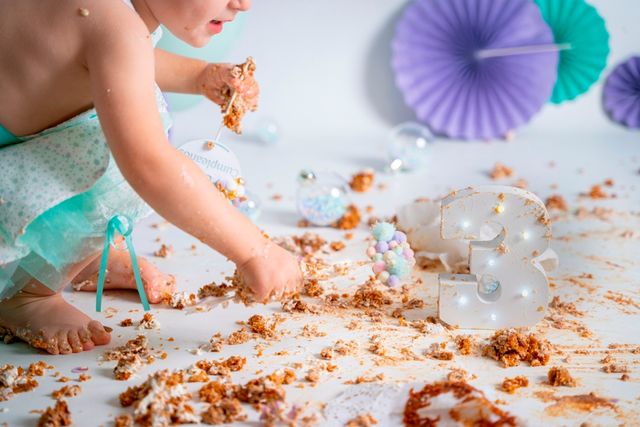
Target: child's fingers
<point>252,91</point>
<point>261,295</point>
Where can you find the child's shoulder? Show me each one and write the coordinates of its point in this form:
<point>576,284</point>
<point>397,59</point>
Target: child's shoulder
<point>108,21</point>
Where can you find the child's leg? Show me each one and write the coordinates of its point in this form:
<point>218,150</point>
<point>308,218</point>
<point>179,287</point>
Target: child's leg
<point>45,320</point>
<point>119,275</point>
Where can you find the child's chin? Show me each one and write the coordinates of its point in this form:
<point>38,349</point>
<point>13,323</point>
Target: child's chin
<point>197,41</point>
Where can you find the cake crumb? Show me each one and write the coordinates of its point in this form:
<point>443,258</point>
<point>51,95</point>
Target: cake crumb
<point>363,420</point>
<point>126,322</point>
<point>500,171</point>
<point>510,385</point>
<point>558,202</point>
<point>512,346</point>
<point>471,407</point>
<point>437,351</point>
<point>362,181</point>
<point>337,246</point>
<point>164,251</point>
<point>597,192</point>
<point>123,420</point>
<point>465,344</point>
<point>559,376</point>
<point>161,400</point>
<point>225,411</point>
<point>349,220</point>
<point>66,391</point>
<point>240,336</point>
<point>148,321</point>
<point>59,415</point>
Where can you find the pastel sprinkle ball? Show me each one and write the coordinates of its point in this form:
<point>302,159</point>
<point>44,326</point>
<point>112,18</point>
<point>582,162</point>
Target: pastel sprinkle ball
<point>383,232</point>
<point>391,254</point>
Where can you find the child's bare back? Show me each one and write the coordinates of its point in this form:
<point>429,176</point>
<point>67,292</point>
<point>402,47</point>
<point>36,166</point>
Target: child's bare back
<point>45,48</point>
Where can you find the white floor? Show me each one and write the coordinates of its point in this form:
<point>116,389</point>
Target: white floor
<point>579,162</point>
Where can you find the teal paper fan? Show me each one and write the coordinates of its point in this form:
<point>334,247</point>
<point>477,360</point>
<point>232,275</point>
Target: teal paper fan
<point>583,40</point>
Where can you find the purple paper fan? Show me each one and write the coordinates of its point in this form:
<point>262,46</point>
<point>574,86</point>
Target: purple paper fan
<point>444,67</point>
<point>621,95</point>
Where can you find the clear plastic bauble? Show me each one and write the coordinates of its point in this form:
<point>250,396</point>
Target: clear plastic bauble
<point>408,146</point>
<point>322,197</point>
<point>250,206</point>
<point>267,131</point>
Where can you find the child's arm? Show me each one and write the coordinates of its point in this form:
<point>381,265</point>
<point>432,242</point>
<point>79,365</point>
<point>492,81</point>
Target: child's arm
<point>121,67</point>
<point>175,73</point>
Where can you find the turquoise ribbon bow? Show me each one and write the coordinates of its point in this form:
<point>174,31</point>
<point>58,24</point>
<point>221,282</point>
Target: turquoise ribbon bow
<point>123,225</point>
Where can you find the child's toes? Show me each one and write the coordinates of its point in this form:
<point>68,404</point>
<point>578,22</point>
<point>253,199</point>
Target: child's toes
<point>63,342</point>
<point>85,339</point>
<point>49,342</point>
<point>170,284</point>
<point>99,335</point>
<point>74,341</point>
<point>159,287</point>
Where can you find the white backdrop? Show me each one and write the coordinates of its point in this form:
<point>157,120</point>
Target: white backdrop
<point>325,72</point>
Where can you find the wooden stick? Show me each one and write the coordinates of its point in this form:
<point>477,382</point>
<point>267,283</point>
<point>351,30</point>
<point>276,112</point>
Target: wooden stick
<point>234,95</point>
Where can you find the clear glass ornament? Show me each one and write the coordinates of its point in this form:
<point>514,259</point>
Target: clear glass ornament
<point>251,207</point>
<point>267,131</point>
<point>322,197</point>
<point>408,146</point>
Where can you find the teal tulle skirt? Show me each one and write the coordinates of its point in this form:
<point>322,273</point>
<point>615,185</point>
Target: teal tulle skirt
<point>58,191</point>
<point>69,232</point>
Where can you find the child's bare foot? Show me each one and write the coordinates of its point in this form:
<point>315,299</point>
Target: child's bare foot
<point>46,321</point>
<point>157,285</point>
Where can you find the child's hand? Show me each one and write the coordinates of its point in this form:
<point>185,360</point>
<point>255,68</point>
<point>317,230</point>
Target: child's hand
<point>216,81</point>
<point>274,272</point>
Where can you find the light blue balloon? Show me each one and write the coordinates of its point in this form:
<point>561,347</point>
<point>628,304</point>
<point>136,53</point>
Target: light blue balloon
<point>217,50</point>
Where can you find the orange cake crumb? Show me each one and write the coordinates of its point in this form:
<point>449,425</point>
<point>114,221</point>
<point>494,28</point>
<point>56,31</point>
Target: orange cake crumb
<point>349,220</point>
<point>558,376</point>
<point>364,420</point>
<point>59,415</point>
<point>511,346</point>
<point>66,391</point>
<point>240,336</point>
<point>500,171</point>
<point>472,407</point>
<point>123,420</point>
<point>558,202</point>
<point>465,344</point>
<point>510,385</point>
<point>164,251</point>
<point>225,411</point>
<point>362,181</point>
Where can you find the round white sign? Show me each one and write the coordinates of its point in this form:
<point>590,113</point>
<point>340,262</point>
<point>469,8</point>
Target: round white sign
<point>215,159</point>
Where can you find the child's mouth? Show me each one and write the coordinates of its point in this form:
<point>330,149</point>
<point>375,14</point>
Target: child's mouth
<point>214,26</point>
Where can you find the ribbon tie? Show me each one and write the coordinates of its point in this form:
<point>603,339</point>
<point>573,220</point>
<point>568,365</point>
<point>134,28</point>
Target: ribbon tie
<point>124,226</point>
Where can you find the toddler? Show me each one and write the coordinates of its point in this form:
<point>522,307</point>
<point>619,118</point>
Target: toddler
<point>83,137</point>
